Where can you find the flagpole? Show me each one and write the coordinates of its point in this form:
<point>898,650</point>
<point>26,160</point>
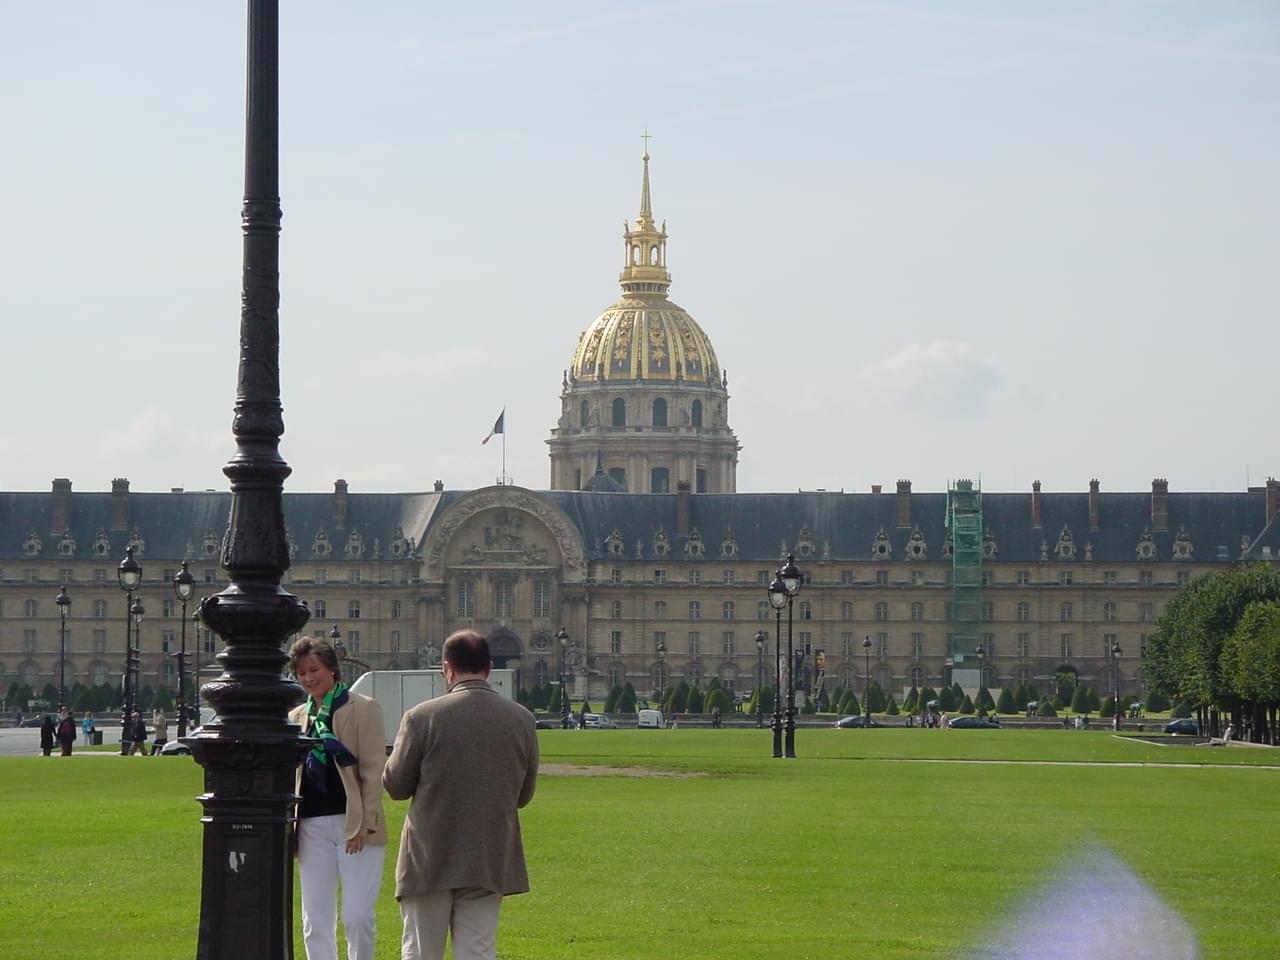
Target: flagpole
<point>504,445</point>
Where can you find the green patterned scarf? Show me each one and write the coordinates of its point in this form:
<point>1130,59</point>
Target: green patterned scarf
<point>320,726</point>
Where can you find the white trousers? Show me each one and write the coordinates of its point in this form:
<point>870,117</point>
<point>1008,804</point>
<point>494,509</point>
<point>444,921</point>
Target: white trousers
<point>470,914</point>
<point>322,862</point>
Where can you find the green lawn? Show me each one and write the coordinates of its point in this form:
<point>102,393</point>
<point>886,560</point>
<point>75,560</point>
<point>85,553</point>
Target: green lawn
<point>846,851</point>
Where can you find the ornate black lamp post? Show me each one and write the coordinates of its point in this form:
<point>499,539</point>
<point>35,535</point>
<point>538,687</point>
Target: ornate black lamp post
<point>866,688</point>
<point>791,579</point>
<point>64,606</point>
<point>563,636</point>
<point>1115,669</point>
<point>777,600</point>
<point>661,695</point>
<point>761,639</point>
<point>980,653</point>
<point>183,586</point>
<point>129,573</point>
<point>250,754</point>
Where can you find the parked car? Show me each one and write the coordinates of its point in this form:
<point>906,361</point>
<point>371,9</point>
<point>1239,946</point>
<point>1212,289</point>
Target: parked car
<point>32,721</point>
<point>545,724</point>
<point>972,723</point>
<point>851,723</point>
<point>648,719</point>
<point>1186,726</point>
<point>175,748</point>
<point>598,721</point>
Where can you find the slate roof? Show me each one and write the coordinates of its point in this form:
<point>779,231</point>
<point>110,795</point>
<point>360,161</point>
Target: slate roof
<point>1221,526</point>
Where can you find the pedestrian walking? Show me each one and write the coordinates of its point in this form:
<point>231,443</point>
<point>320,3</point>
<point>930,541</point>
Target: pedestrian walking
<point>469,761</point>
<point>138,735</point>
<point>341,830</point>
<point>90,727</point>
<point>65,731</point>
<point>159,729</point>
<point>47,728</point>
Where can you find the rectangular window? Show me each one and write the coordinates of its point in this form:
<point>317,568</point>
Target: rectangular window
<point>503,599</point>
<point>762,609</point>
<point>659,576</point>
<point>1064,646</point>
<point>730,576</point>
<point>917,611</point>
<point>806,610</point>
<point>848,645</point>
<point>166,608</point>
<point>988,645</point>
<point>395,641</point>
<point>28,641</point>
<point>988,611</point>
<point>763,578</point>
<point>354,575</point>
<point>99,641</point>
<point>353,609</point>
<point>168,643</point>
<point>726,610</point>
<point>1184,577</point>
<point>1024,645</point>
<point>211,575</point>
<point>1109,612</point>
<point>1066,612</point>
<point>695,642</point>
<point>67,575</point>
<point>31,575</point>
<point>846,610</point>
<point>727,643</point>
<point>846,577</point>
<point>320,610</point>
<point>882,611</point>
<point>1024,577</point>
<point>1064,578</point>
<point>882,645</point>
<point>1110,576</point>
<point>986,578</point>
<point>806,643</point>
<point>695,610</point>
<point>210,643</point>
<point>465,605</point>
<point>615,610</point>
<point>882,577</point>
<point>659,639</point>
<point>615,575</point>
<point>659,609</point>
<point>395,609</point>
<point>353,641</point>
<point>1147,612</point>
<point>615,641</point>
<point>917,645</point>
<point>695,576</point>
<point>542,598</point>
<point>1145,578</point>
<point>322,575</point>
<point>99,576</point>
<point>917,578</point>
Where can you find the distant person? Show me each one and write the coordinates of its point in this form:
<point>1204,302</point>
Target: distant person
<point>89,726</point>
<point>469,761</point>
<point>341,831</point>
<point>47,728</point>
<point>137,735</point>
<point>715,718</point>
<point>160,725</point>
<point>65,731</point>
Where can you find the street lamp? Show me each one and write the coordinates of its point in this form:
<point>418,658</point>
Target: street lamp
<point>335,640</point>
<point>866,688</point>
<point>662,673</point>
<point>129,573</point>
<point>563,636</point>
<point>64,604</point>
<point>791,579</point>
<point>761,639</point>
<point>1115,667</point>
<point>777,600</point>
<point>982,682</point>
<point>183,586</point>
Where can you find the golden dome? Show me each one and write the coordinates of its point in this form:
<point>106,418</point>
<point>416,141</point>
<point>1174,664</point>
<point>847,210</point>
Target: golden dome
<point>644,339</point>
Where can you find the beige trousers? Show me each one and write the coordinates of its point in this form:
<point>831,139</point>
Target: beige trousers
<point>470,914</point>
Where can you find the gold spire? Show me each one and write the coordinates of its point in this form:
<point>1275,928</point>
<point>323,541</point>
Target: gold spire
<point>645,248</point>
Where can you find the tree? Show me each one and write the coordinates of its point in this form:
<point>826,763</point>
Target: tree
<point>1157,702</point>
<point>627,701</point>
<point>1095,702</point>
<point>836,696</point>
<point>926,695</point>
<point>912,702</point>
<point>957,692</point>
<point>693,703</point>
<point>679,697</point>
<point>522,697</point>
<point>1183,708</point>
<point>1251,665</point>
<point>874,700</point>
<point>714,684</point>
<point>1046,709</point>
<point>1021,697</point>
<point>1006,703</point>
<point>763,696</point>
<point>718,697</point>
<point>966,705</point>
<point>611,701</point>
<point>1080,701</point>
<point>553,702</point>
<point>947,699</point>
<point>891,706</point>
<point>1066,685</point>
<point>984,703</point>
<point>1108,708</point>
<point>849,706</point>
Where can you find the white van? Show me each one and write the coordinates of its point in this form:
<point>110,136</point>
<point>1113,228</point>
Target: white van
<point>650,718</point>
<point>398,690</point>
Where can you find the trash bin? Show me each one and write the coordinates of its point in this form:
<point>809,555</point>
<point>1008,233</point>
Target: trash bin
<point>97,738</point>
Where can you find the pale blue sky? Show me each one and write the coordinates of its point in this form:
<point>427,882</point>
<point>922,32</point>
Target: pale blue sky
<point>929,240</point>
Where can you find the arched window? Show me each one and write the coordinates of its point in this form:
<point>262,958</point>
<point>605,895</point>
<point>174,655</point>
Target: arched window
<point>619,412</point>
<point>917,677</point>
<point>585,416</point>
<point>695,413</point>
<point>635,254</point>
<point>653,256</point>
<point>660,412</point>
<point>659,480</point>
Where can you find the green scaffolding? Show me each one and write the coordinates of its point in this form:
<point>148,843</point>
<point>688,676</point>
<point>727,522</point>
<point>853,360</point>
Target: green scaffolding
<point>964,525</point>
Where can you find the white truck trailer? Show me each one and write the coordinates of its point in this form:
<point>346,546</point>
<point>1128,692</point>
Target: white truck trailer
<point>398,690</point>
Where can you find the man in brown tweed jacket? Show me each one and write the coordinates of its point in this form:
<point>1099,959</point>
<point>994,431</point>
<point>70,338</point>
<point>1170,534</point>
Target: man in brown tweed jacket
<point>469,760</point>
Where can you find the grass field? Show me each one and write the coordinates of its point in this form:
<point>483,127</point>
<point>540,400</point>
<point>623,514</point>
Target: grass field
<point>856,849</point>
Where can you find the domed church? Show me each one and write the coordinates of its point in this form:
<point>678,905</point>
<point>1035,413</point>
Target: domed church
<point>644,398</point>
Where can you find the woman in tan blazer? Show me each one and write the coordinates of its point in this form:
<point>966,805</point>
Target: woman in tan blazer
<point>342,832</point>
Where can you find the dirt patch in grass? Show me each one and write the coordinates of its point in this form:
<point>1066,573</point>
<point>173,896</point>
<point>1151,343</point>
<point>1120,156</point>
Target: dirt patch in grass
<point>585,770</point>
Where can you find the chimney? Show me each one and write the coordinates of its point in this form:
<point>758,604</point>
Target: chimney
<point>439,486</point>
<point>684,505</point>
<point>339,503</point>
<point>1273,498</point>
<point>1159,505</point>
<point>60,509</point>
<point>904,503</point>
<point>1035,503</point>
<point>1094,498</point>
<point>875,488</point>
<point>119,504</point>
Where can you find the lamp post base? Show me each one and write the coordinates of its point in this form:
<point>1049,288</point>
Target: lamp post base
<point>777,735</point>
<point>791,734</point>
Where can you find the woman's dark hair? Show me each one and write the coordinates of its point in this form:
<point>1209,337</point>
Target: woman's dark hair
<point>317,647</point>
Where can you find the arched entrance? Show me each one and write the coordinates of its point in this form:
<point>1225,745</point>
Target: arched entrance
<point>506,651</point>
